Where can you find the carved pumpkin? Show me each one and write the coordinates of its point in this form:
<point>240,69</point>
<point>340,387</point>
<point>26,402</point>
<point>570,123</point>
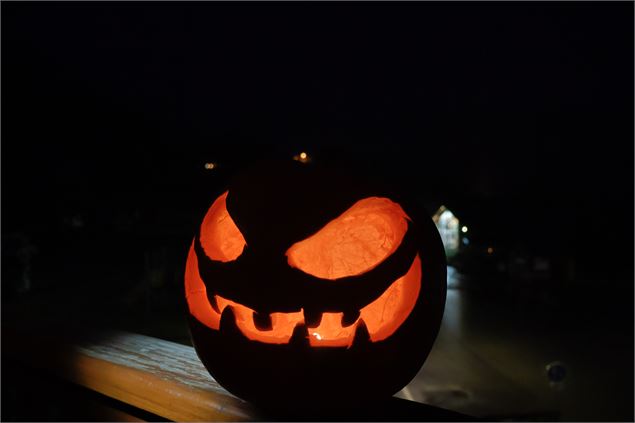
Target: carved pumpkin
<point>307,285</point>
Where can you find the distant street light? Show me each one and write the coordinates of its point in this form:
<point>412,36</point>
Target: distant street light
<point>464,229</point>
<point>210,166</point>
<point>303,157</point>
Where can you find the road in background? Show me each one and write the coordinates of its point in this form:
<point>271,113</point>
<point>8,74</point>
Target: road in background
<point>491,356</point>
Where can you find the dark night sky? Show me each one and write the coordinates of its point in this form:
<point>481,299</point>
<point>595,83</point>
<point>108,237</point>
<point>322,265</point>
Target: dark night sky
<point>519,114</point>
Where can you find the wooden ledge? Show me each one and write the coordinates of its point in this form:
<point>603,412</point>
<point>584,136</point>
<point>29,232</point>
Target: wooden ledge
<point>163,378</point>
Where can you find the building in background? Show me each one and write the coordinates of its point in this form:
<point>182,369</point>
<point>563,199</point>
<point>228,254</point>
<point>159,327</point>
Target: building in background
<point>449,229</point>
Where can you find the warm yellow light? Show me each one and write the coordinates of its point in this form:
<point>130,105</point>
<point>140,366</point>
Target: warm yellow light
<point>464,229</point>
<point>303,157</point>
<point>490,250</point>
<point>210,166</point>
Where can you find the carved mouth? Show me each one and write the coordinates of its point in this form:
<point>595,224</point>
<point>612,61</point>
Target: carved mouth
<point>375,322</point>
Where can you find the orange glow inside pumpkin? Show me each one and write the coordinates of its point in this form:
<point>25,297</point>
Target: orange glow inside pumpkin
<point>353,243</point>
<point>382,317</point>
<point>220,237</point>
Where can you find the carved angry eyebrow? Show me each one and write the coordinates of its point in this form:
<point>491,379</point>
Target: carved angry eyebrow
<point>353,243</point>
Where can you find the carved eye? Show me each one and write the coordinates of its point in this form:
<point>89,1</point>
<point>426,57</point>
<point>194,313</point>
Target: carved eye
<point>220,237</point>
<point>353,243</point>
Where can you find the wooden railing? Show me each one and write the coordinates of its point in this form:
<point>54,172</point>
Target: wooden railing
<point>159,377</point>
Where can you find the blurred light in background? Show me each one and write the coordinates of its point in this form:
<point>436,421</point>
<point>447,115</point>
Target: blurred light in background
<point>210,166</point>
<point>464,229</point>
<point>448,227</point>
<point>303,157</point>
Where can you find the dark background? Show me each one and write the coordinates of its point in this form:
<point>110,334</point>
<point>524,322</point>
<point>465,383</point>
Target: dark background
<point>518,116</point>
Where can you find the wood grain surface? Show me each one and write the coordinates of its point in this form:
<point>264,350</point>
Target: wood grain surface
<point>167,379</point>
<point>161,377</point>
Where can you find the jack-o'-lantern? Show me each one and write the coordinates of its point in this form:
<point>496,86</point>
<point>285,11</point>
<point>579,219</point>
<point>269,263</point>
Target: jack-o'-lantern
<point>304,285</point>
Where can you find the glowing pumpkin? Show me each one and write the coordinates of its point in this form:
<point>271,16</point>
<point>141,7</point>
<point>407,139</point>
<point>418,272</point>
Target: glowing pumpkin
<point>305,285</point>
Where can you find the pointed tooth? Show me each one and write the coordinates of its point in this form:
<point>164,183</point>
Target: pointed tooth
<point>312,318</point>
<point>262,321</point>
<point>300,336</point>
<point>228,323</point>
<point>213,303</point>
<point>362,337</point>
<point>349,318</point>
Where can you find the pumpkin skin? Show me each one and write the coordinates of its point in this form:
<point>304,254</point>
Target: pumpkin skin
<point>277,212</point>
